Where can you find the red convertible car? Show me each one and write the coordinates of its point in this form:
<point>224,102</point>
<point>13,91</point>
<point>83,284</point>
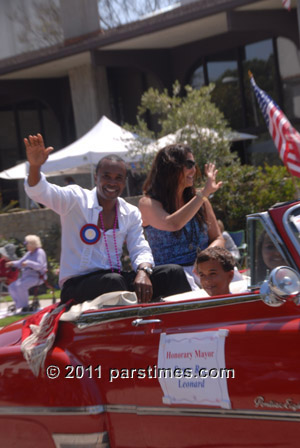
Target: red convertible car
<point>189,371</point>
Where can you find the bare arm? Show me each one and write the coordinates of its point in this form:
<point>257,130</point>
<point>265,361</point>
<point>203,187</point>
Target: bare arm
<point>214,232</point>
<point>153,213</point>
<point>36,154</point>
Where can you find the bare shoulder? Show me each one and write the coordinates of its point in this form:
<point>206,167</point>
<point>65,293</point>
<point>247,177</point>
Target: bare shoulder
<point>151,210</point>
<point>146,202</point>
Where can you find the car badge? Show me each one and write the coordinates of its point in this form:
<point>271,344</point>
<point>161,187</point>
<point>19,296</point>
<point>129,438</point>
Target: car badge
<point>90,234</point>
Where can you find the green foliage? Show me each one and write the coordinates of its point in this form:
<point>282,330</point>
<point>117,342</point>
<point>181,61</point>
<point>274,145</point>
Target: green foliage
<point>248,189</point>
<point>11,207</point>
<point>186,116</point>
<point>51,241</point>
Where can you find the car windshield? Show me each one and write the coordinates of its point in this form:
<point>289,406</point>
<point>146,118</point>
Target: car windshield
<point>264,252</point>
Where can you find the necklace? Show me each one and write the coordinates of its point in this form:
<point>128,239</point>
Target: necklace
<point>114,238</point>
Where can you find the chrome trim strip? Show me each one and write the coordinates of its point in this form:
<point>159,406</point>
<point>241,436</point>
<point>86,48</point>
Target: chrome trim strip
<point>177,307</point>
<point>40,410</point>
<point>148,410</point>
<point>207,413</point>
<point>88,319</point>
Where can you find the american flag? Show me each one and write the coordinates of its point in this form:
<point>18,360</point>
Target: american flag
<point>286,4</point>
<point>285,137</point>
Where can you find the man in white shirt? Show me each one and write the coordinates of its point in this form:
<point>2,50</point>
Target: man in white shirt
<point>95,224</point>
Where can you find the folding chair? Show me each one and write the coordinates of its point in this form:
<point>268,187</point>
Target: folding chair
<point>238,237</point>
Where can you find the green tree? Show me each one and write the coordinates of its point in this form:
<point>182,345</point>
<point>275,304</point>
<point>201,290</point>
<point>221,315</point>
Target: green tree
<point>249,189</point>
<point>193,117</point>
<point>246,189</point>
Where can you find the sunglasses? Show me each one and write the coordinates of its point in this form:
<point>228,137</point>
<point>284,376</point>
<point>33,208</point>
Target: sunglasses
<point>189,164</point>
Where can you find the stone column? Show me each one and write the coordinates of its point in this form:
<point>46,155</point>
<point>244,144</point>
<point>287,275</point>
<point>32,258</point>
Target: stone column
<point>90,96</point>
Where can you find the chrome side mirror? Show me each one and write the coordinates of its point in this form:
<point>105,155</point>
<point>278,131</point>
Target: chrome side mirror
<point>282,285</point>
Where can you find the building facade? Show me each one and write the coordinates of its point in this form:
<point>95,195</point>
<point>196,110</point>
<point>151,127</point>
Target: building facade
<point>62,83</point>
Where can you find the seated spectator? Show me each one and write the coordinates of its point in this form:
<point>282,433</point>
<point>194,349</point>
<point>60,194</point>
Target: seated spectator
<point>267,257</point>
<point>215,267</point>
<point>33,267</point>
<point>229,243</point>
<point>7,273</point>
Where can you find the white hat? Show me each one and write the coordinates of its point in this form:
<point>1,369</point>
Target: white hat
<point>9,251</point>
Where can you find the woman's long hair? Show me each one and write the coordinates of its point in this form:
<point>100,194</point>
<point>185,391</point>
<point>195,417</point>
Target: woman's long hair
<point>164,177</point>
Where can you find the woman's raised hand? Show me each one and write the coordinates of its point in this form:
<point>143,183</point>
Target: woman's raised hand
<point>211,184</point>
<point>36,152</point>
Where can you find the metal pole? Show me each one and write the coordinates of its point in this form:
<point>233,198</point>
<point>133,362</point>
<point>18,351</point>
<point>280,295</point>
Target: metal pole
<point>298,16</point>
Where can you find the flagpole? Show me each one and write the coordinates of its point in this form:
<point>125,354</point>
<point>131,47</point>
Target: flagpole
<point>298,15</point>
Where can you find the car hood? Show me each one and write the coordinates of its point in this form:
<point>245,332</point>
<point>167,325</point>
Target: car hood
<point>11,334</point>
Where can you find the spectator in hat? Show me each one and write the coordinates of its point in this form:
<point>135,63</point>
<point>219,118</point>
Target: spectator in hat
<point>33,267</point>
<point>8,251</point>
<point>7,273</point>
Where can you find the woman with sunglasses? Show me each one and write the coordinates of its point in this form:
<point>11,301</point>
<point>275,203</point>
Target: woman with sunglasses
<point>177,219</point>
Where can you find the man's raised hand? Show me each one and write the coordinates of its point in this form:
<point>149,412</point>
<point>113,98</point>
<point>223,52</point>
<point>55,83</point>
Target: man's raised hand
<point>36,152</point>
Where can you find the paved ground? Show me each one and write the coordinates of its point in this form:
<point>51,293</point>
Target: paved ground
<point>4,307</point>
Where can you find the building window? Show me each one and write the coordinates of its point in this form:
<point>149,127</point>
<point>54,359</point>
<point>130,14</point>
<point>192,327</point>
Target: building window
<point>19,120</point>
<point>259,58</point>
<point>226,94</point>
<point>229,72</point>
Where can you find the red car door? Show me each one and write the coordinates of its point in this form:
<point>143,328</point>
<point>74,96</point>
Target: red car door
<point>71,398</point>
<point>257,401</point>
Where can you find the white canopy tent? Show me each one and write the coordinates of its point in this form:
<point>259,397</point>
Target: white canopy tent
<point>177,136</point>
<point>104,138</point>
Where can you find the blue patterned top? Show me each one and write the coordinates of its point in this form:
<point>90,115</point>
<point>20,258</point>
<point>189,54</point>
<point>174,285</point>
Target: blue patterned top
<point>169,247</point>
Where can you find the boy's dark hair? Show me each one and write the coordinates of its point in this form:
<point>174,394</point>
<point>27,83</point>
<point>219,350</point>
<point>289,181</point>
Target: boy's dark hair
<point>223,256</point>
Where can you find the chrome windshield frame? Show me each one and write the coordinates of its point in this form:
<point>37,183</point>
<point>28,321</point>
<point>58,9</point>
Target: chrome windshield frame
<point>288,229</point>
<point>268,225</point>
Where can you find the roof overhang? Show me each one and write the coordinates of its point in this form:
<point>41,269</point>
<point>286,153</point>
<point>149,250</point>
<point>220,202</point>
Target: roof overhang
<point>180,26</point>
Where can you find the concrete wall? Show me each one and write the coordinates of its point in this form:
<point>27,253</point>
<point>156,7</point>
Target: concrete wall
<point>19,224</point>
<point>32,24</point>
<point>79,17</point>
<point>23,24</point>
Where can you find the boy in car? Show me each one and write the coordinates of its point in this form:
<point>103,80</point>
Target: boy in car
<point>215,267</point>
